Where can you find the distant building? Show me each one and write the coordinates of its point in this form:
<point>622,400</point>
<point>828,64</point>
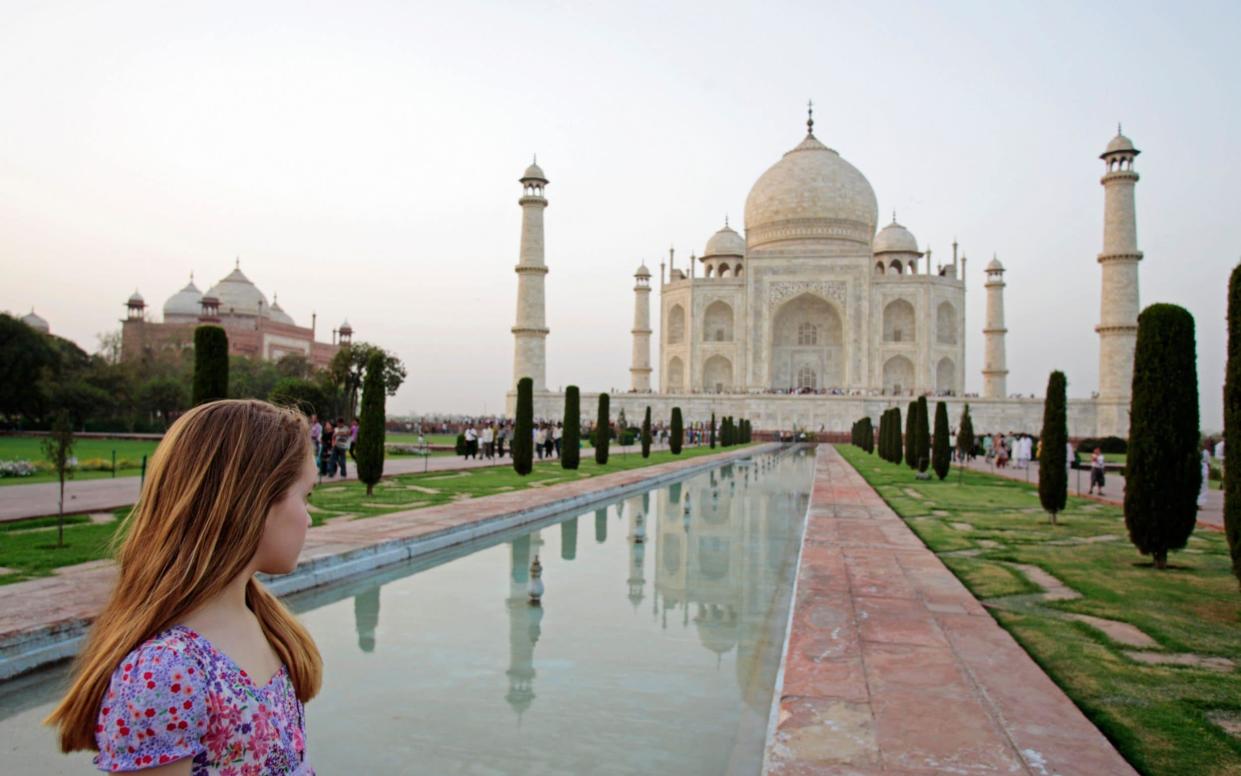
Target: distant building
<point>256,328</point>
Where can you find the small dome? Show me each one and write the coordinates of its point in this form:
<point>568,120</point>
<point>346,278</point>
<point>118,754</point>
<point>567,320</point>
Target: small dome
<point>277,313</point>
<point>995,266</point>
<point>725,242</point>
<point>534,172</point>
<point>185,303</point>
<point>136,298</point>
<point>895,238</point>
<point>642,272</point>
<point>238,295</point>
<point>1120,144</point>
<point>345,328</point>
<point>36,322</point>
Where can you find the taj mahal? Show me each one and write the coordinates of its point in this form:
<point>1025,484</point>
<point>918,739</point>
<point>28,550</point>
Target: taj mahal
<point>814,317</point>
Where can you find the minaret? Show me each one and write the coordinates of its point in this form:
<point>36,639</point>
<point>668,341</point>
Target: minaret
<point>1118,311</point>
<point>994,369</point>
<point>640,372</point>
<point>530,331</point>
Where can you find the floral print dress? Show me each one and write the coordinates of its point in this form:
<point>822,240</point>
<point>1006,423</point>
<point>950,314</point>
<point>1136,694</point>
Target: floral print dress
<point>177,696</point>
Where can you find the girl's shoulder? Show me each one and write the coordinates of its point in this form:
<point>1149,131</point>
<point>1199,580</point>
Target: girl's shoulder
<point>177,644</point>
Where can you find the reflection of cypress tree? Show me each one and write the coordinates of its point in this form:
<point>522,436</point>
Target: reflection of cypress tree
<point>568,539</point>
<point>601,525</point>
<point>521,559</point>
<point>366,617</point>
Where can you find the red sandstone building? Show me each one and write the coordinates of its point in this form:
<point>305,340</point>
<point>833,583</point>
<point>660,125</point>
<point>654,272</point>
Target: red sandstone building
<point>255,328</point>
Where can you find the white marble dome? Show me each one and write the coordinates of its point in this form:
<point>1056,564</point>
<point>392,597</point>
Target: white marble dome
<point>238,296</point>
<point>1120,144</point>
<point>895,238</point>
<point>725,242</point>
<point>811,193</point>
<point>534,172</point>
<point>186,303</point>
<point>277,313</point>
<point>37,322</point>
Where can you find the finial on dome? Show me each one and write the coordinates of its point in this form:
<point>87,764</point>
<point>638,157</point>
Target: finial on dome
<point>536,158</point>
<point>237,263</point>
<point>725,220</point>
<point>1118,129</point>
<point>810,117</point>
<point>894,216</point>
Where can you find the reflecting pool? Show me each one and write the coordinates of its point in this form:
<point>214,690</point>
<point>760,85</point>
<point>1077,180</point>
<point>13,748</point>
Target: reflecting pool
<point>654,650</point>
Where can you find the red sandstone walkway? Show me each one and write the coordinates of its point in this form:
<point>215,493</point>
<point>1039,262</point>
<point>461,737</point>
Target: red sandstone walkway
<point>1210,516</point>
<point>37,499</point>
<point>892,666</point>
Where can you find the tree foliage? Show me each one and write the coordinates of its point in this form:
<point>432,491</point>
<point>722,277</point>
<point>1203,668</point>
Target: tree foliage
<point>1232,423</point>
<point>603,431</point>
<point>676,434</point>
<point>712,432</point>
<point>965,434</point>
<point>306,395</point>
<point>210,364</point>
<point>646,434</point>
<point>571,436</point>
<point>1053,476</point>
<point>1163,469</point>
<point>911,437</point>
<point>369,453</point>
<point>941,455</point>
<point>922,436</point>
<point>523,428</point>
<point>58,448</point>
<point>348,366</point>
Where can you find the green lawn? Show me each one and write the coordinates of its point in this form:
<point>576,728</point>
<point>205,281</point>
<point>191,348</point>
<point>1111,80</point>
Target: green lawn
<point>27,547</point>
<point>414,491</point>
<point>403,438</point>
<point>90,453</point>
<point>1158,716</point>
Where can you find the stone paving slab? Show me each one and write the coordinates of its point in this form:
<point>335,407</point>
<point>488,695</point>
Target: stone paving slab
<point>43,620</point>
<point>893,667</point>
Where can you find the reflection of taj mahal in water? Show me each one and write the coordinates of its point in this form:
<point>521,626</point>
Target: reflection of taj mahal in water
<point>812,318</point>
<point>719,561</point>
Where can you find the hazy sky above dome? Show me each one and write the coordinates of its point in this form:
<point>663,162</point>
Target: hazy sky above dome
<point>362,161</point>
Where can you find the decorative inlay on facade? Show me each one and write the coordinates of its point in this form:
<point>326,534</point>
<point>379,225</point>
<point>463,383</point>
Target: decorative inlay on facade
<point>783,290</point>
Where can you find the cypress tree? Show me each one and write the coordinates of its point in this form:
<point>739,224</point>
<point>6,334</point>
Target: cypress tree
<point>603,432</point>
<point>883,429</point>
<point>677,433</point>
<point>1232,422</point>
<point>571,436</point>
<point>922,434</point>
<point>1053,478</point>
<point>712,430</point>
<point>369,453</point>
<point>941,456</point>
<point>870,435</point>
<point>895,441</point>
<point>210,364</point>
<point>523,428</point>
<point>965,435</point>
<point>911,436</point>
<point>646,434</point>
<point>1163,471</point>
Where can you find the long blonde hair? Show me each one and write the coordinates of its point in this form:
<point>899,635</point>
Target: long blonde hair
<point>196,526</point>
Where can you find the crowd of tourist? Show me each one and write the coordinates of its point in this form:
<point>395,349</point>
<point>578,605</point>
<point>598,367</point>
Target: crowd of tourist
<point>332,442</point>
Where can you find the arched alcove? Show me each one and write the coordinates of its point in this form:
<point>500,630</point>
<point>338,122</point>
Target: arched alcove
<point>717,322</point>
<point>676,325</point>
<point>898,322</point>
<point>946,324</point>
<point>946,376</point>
<point>717,375</point>
<point>898,375</point>
<point>807,331</point>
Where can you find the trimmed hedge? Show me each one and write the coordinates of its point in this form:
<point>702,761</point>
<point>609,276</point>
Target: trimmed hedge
<point>571,437</point>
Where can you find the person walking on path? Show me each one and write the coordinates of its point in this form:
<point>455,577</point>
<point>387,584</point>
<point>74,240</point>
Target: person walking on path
<point>501,435</point>
<point>1097,468</point>
<point>316,434</point>
<point>353,436</point>
<point>471,443</point>
<point>326,461</point>
<point>340,447</point>
<point>1206,477</point>
<point>489,441</point>
<point>557,435</point>
<point>194,665</point>
<point>540,438</point>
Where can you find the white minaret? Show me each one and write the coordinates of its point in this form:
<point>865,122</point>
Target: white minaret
<point>640,372</point>
<point>1118,311</point>
<point>530,331</point>
<point>994,368</point>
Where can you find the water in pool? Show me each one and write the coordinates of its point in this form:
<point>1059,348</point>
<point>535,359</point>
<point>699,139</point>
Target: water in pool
<point>655,649</point>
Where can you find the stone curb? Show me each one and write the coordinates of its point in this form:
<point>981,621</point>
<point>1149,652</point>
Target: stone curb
<point>38,646</point>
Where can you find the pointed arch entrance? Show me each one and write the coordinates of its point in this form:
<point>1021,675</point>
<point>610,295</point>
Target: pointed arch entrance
<point>807,338</point>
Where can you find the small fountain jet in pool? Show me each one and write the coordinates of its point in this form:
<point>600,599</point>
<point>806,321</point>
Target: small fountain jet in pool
<point>536,582</point>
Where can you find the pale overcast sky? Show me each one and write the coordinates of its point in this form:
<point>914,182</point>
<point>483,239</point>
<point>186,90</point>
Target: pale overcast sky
<point>362,159</point>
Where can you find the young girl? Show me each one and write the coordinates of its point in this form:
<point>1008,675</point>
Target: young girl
<point>193,667</point>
